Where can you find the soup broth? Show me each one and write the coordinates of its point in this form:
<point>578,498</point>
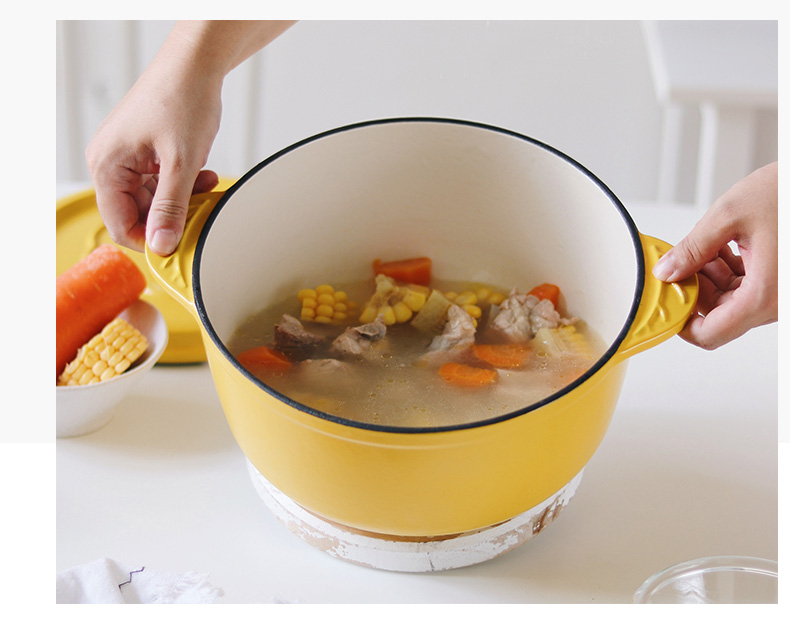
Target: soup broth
<point>433,376</point>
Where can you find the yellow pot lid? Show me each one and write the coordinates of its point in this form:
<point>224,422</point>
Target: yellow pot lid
<point>80,230</point>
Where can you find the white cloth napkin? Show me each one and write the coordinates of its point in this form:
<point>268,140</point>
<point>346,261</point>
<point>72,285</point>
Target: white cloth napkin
<point>107,581</point>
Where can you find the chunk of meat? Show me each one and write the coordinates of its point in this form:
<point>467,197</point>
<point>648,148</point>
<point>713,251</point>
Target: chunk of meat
<point>456,339</point>
<point>361,341</point>
<point>324,369</point>
<point>324,381</point>
<point>291,337</point>
<point>520,316</point>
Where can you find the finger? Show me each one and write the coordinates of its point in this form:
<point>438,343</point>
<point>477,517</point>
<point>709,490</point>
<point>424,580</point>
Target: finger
<point>167,215</point>
<point>149,188</point>
<point>121,217</point>
<point>708,296</point>
<point>711,296</point>
<point>726,321</point>
<point>735,262</point>
<point>721,275</point>
<point>119,210</point>
<point>206,180</point>
<point>143,197</point>
<point>699,247</point>
<point>690,330</point>
<point>704,333</point>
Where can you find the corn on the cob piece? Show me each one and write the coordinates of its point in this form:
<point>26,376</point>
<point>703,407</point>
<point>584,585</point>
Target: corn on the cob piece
<point>325,304</point>
<point>468,301</point>
<point>106,355</point>
<point>396,304</point>
<point>486,296</point>
<point>473,301</point>
<point>562,341</point>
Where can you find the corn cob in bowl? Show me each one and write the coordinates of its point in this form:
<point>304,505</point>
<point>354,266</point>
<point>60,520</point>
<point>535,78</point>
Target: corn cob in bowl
<point>88,401</point>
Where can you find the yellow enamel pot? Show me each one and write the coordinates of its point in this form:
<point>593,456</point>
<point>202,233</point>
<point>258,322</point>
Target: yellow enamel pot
<point>487,205</point>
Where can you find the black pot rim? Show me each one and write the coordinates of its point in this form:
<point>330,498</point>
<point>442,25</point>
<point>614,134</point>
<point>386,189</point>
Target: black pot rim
<point>603,360</point>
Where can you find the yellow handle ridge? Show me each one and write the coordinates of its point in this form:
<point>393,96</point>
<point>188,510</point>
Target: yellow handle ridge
<point>664,308</point>
<point>174,271</point>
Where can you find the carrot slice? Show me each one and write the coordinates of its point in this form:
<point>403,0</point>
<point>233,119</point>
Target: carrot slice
<point>467,376</point>
<point>502,355</point>
<point>414,270</point>
<point>547,291</point>
<point>89,295</point>
<point>264,357</point>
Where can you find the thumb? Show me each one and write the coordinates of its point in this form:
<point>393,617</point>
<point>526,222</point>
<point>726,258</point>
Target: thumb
<point>699,247</point>
<point>168,212</point>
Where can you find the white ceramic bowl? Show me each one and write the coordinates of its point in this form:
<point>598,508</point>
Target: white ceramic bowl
<point>83,409</point>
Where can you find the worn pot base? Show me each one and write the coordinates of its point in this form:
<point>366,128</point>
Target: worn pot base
<point>411,554</point>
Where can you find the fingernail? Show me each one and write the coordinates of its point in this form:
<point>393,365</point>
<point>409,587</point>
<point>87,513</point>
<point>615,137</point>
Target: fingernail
<point>664,268</point>
<point>163,242</point>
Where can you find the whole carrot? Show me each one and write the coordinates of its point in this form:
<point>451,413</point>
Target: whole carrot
<point>90,294</point>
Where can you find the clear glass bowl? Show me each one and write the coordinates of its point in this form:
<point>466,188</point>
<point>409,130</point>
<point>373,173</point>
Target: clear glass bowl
<point>718,579</point>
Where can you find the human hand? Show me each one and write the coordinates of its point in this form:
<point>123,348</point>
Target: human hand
<point>146,157</point>
<point>737,292</point>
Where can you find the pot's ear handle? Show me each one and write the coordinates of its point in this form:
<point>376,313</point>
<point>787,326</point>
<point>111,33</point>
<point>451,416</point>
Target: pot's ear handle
<point>174,272</point>
<point>664,307</point>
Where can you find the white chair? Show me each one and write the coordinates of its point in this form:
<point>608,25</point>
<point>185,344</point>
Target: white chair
<point>728,70</point>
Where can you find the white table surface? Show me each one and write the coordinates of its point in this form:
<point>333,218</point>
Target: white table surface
<point>687,469</point>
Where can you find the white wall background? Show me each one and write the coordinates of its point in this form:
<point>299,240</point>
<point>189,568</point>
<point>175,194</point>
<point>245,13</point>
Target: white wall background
<point>583,87</point>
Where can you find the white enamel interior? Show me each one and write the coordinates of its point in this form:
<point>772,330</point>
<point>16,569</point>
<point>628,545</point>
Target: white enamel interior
<point>485,205</point>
